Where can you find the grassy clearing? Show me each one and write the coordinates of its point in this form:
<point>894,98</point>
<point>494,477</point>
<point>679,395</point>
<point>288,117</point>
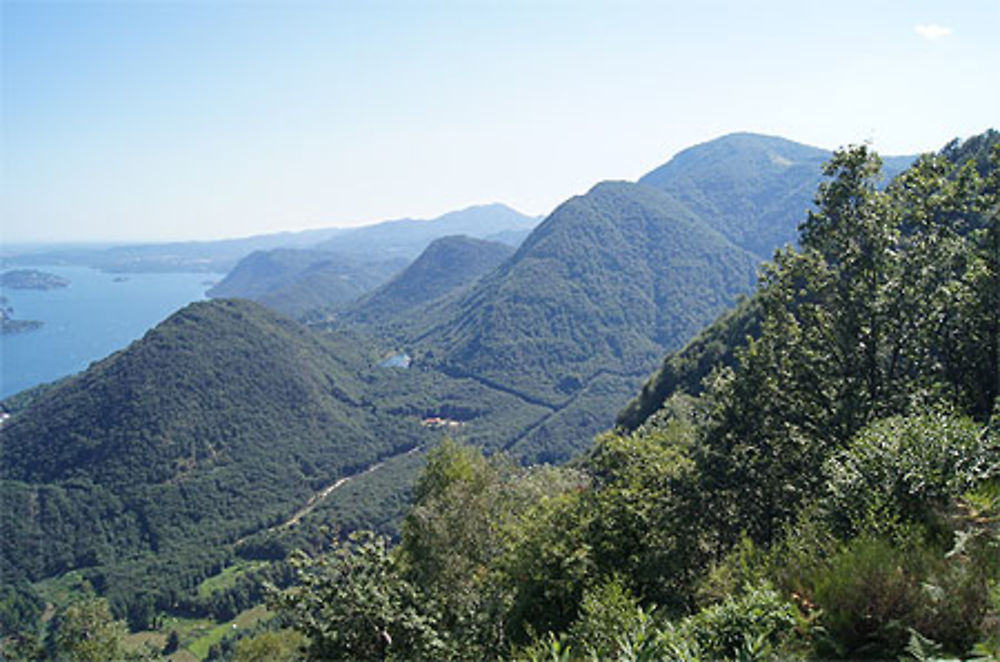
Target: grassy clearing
<point>227,578</point>
<point>211,636</point>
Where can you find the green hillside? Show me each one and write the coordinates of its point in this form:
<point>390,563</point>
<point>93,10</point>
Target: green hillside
<point>220,422</point>
<point>754,189</point>
<point>294,281</point>
<point>605,284</point>
<point>446,265</point>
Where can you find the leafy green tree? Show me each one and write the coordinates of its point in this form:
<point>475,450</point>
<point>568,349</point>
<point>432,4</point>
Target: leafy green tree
<point>453,534</point>
<point>86,632</point>
<point>354,604</point>
<point>469,514</point>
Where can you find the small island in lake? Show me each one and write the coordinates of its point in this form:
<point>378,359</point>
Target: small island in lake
<point>31,279</point>
<point>10,325</point>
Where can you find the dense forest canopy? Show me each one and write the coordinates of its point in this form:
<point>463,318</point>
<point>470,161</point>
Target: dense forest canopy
<point>814,476</point>
<point>830,490</point>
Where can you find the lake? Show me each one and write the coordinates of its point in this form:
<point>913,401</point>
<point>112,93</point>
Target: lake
<point>99,313</point>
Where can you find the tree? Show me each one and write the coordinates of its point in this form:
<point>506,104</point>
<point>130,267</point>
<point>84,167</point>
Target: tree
<point>86,632</point>
<point>354,604</point>
<point>469,514</point>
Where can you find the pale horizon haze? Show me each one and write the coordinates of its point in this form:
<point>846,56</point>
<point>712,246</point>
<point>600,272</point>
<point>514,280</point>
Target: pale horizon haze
<point>155,121</point>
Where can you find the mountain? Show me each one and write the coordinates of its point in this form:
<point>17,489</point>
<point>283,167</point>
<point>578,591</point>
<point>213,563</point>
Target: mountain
<point>754,189</point>
<point>186,256</point>
<point>682,371</point>
<point>569,325</point>
<point>155,466</point>
<point>218,423</point>
<point>602,284</point>
<point>448,264</point>
<point>408,237</point>
<point>338,271</point>
<point>293,281</point>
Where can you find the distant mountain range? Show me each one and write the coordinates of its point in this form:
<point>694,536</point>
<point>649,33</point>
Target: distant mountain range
<point>337,271</point>
<point>203,437</point>
<point>294,281</point>
<point>408,238</point>
<point>402,239</point>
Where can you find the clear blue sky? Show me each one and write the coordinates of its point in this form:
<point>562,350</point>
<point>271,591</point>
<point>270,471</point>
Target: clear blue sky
<point>178,120</point>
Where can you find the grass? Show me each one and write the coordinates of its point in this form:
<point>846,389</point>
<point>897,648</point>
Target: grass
<point>227,578</point>
<point>200,646</point>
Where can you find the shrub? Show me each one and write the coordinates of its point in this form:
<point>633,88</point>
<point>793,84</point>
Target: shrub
<point>905,469</point>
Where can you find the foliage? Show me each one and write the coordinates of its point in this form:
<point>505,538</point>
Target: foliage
<point>756,620</point>
<point>609,617</point>
<point>354,604</point>
<point>85,631</point>
<point>753,189</point>
<point>467,522</point>
<point>20,607</point>
<point>907,469</point>
<point>280,646</point>
<point>448,264</point>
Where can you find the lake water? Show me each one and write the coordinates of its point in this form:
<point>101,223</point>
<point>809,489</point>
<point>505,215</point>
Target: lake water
<point>93,317</point>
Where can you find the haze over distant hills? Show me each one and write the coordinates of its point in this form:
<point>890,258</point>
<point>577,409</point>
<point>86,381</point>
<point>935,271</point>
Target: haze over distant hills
<point>408,237</point>
<point>403,238</point>
<point>339,270</point>
<point>191,256</point>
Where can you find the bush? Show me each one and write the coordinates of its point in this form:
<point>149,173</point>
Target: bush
<point>608,613</point>
<point>752,622</point>
<point>905,469</point>
<point>876,592</point>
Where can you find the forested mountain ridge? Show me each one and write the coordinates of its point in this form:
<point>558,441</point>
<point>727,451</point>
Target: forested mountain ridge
<point>606,282</point>
<point>446,265</point>
<point>752,188</point>
<point>831,491</point>
<point>683,371</point>
<point>218,423</point>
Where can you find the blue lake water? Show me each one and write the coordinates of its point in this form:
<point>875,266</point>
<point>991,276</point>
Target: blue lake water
<point>93,317</point>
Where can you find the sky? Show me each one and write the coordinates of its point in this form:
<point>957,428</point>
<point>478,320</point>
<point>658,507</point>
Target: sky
<point>152,121</point>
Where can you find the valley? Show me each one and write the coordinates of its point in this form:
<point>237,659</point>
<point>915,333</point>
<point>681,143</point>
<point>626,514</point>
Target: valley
<point>231,435</point>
